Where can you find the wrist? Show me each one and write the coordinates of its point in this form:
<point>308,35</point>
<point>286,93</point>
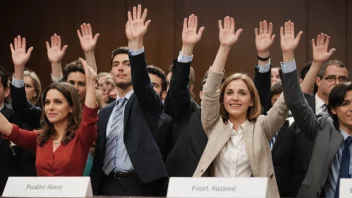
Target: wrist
<point>187,49</point>
<point>288,56</point>
<point>90,52</point>
<point>137,43</point>
<point>265,54</point>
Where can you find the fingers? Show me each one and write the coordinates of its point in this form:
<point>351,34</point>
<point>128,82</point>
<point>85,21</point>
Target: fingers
<point>313,44</point>
<point>286,30</point>
<point>23,43</point>
<point>79,34</point>
<point>327,41</point>
<point>139,11</point>
<point>281,32</point>
<point>89,29</point>
<point>64,48</point>
<point>270,31</point>
<point>200,31</point>
<point>11,48</point>
<point>134,12</point>
<point>220,25</point>
<point>18,42</point>
<point>96,36</point>
<point>47,45</point>
<point>265,26</point>
<point>129,16</point>
<point>272,37</point>
<point>184,23</point>
<point>232,25</point>
<point>292,28</point>
<point>29,52</point>
<point>298,37</point>
<point>238,33</point>
<point>145,14</point>
<point>261,28</point>
<point>147,23</point>
<point>331,51</point>
<point>195,22</point>
<point>58,41</point>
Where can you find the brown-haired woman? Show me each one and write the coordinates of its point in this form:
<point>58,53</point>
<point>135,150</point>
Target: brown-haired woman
<point>62,145</point>
<point>239,136</point>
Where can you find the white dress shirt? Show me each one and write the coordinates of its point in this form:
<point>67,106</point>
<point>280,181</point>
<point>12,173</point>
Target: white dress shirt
<point>232,161</point>
<point>319,105</point>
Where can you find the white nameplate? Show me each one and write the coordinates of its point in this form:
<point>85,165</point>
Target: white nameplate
<point>48,187</point>
<point>254,187</point>
<point>345,188</point>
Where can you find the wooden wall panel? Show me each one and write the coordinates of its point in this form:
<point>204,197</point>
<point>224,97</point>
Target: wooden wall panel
<point>349,36</point>
<point>328,17</point>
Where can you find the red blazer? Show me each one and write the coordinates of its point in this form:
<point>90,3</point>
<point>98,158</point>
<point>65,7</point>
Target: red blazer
<point>67,160</point>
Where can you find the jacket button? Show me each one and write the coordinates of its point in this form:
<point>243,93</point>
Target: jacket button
<point>202,170</point>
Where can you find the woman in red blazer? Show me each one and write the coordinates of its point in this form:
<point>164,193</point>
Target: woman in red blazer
<point>62,145</point>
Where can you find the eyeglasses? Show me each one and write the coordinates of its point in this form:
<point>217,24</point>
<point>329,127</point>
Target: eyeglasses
<point>333,78</point>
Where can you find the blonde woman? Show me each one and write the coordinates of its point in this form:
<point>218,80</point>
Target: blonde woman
<point>239,136</point>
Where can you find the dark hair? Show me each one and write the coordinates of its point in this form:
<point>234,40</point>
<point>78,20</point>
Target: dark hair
<point>328,63</point>
<point>4,77</point>
<point>74,119</point>
<point>160,73</point>
<point>336,98</point>
<point>305,70</point>
<point>275,89</point>
<point>117,51</point>
<point>75,66</point>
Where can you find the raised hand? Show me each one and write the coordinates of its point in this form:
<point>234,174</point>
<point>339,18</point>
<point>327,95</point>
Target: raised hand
<point>264,37</point>
<point>88,42</point>
<point>189,32</point>
<point>128,31</point>
<point>288,40</point>
<point>55,52</point>
<point>138,25</point>
<point>18,51</point>
<point>227,35</point>
<point>320,48</point>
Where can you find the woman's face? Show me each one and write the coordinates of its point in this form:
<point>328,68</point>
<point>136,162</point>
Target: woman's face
<point>344,112</point>
<point>56,106</point>
<point>237,99</point>
<point>31,93</point>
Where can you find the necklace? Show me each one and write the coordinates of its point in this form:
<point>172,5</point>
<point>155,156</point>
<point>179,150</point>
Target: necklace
<point>56,142</point>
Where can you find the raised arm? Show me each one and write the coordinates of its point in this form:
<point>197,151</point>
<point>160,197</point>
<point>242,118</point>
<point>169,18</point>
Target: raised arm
<point>180,94</point>
<point>88,43</point>
<point>26,111</point>
<point>263,41</point>
<point>88,127</point>
<point>142,86</point>
<point>320,55</point>
<point>55,55</point>
<point>302,113</point>
<point>211,90</point>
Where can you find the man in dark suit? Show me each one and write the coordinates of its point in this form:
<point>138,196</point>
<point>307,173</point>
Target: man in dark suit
<point>127,160</point>
<point>13,160</point>
<point>188,136</point>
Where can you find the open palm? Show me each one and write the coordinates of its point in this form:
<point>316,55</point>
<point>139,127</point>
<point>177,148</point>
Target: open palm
<point>18,51</point>
<point>88,42</point>
<point>264,38</point>
<point>137,23</point>
<point>320,48</point>
<point>288,40</point>
<point>55,53</point>
<point>189,32</point>
<point>227,35</point>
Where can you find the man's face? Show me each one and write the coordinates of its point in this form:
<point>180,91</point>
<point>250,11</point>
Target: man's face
<point>4,92</point>
<point>333,75</point>
<point>275,76</point>
<point>121,71</point>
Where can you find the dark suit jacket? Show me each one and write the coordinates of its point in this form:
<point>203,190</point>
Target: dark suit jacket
<point>291,152</point>
<point>188,137</point>
<point>24,110</point>
<point>164,134</point>
<point>140,125</point>
<point>283,155</point>
<point>319,130</point>
<point>23,163</point>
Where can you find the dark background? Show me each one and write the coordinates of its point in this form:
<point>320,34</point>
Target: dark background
<point>38,20</point>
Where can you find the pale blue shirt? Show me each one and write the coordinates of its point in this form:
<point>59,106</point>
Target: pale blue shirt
<point>122,159</point>
<point>17,83</point>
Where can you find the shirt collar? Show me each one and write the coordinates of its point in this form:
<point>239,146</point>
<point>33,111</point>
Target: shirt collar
<point>127,96</point>
<point>241,127</point>
<point>318,102</point>
<point>344,134</point>
<point>2,107</point>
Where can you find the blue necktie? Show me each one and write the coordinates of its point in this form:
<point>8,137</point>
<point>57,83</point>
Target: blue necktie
<point>345,164</point>
<point>111,143</point>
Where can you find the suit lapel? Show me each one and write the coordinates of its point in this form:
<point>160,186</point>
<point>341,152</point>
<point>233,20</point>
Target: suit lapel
<point>248,140</point>
<point>128,110</point>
